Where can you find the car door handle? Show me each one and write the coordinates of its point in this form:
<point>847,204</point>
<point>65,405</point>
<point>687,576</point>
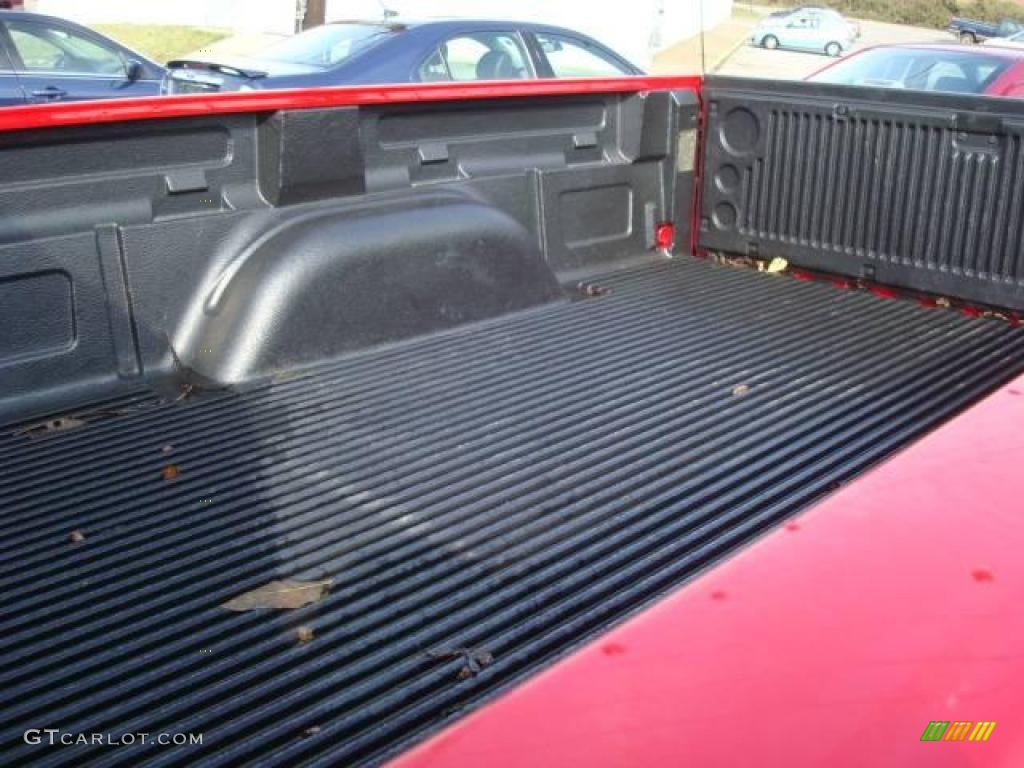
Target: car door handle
<point>50,92</point>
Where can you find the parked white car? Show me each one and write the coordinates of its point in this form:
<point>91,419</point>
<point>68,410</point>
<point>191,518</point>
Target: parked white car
<point>820,30</point>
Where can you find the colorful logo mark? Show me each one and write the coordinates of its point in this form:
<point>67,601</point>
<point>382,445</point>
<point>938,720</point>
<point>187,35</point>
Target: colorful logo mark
<point>959,730</point>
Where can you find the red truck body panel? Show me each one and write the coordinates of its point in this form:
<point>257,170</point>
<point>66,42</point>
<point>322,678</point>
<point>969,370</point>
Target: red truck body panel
<point>158,107</point>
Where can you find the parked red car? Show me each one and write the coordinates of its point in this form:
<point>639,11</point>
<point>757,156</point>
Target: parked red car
<point>948,68</point>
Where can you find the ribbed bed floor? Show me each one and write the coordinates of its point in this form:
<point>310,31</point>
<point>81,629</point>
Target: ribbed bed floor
<point>514,487</point>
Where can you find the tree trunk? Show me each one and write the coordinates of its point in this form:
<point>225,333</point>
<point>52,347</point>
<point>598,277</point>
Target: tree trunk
<point>316,11</point>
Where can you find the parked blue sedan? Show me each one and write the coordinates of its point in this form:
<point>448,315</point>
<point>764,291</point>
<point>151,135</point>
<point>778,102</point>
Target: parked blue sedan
<point>45,59</point>
<point>353,53</point>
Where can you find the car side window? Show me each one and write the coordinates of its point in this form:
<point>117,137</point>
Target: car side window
<point>570,57</point>
<point>948,76</point>
<point>478,56</point>
<point>434,70</point>
<point>43,48</point>
<point>5,60</point>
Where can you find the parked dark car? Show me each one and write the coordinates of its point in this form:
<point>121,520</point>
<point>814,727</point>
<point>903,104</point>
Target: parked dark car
<point>44,59</point>
<point>946,68</point>
<point>352,53</point>
<point>974,31</point>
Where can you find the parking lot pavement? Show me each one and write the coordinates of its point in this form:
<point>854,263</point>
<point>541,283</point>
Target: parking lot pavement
<point>748,61</point>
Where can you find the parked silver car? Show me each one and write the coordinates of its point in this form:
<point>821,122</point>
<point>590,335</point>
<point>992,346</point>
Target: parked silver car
<point>820,30</point>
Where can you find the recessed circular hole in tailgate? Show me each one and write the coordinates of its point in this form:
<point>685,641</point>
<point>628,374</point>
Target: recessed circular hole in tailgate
<point>727,178</point>
<point>739,131</point>
<point>724,215</point>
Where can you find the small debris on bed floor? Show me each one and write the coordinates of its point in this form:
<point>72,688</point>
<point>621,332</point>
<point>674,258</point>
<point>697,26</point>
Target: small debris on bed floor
<point>475,659</point>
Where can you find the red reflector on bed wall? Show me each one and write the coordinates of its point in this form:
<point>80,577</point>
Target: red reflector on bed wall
<point>664,235</point>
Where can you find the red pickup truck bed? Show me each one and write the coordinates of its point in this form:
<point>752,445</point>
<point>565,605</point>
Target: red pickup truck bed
<point>513,487</point>
<point>431,361</point>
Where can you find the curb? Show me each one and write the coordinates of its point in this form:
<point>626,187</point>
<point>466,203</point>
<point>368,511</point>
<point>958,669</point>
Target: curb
<point>727,55</point>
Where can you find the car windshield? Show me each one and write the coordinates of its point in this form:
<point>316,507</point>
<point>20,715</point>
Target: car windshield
<point>328,45</point>
<point>917,69</point>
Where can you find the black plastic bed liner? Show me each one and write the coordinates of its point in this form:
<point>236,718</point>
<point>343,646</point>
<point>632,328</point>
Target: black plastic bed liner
<point>511,488</point>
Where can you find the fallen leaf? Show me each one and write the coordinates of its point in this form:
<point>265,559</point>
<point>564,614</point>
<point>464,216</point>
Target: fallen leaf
<point>743,262</point>
<point>76,537</point>
<point>740,390</point>
<point>170,472</point>
<point>475,659</point>
<point>304,633</point>
<point>187,390</point>
<point>287,593</point>
<point>60,424</point>
<point>592,290</point>
<point>993,315</point>
<point>777,264</point>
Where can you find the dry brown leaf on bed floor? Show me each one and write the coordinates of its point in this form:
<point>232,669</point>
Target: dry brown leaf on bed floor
<point>60,424</point>
<point>285,594</point>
